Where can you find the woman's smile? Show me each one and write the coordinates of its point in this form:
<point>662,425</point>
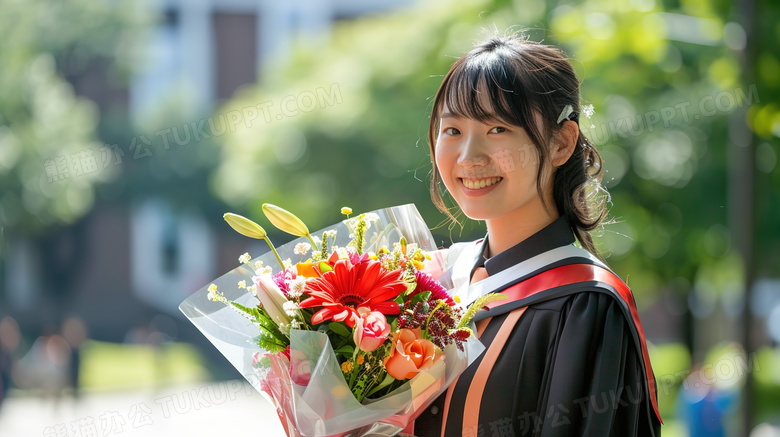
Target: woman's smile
<point>474,187</point>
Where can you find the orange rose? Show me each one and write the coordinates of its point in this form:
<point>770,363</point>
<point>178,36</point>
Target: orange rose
<point>410,354</point>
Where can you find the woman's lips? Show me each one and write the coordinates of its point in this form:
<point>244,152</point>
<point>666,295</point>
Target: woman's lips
<point>480,186</point>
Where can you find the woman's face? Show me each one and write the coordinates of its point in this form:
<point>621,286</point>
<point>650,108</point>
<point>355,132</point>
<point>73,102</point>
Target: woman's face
<point>490,169</point>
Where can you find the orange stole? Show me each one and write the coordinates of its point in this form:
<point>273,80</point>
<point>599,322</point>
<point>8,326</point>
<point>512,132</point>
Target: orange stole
<point>477,385</point>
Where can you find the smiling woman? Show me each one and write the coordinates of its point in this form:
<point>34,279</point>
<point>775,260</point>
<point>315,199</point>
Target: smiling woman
<point>566,353</point>
<point>493,132</point>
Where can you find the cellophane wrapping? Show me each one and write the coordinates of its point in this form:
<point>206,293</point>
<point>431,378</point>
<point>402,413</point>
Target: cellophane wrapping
<point>325,406</point>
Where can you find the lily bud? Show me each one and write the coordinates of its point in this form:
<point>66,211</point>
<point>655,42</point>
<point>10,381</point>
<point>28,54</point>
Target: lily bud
<point>285,220</point>
<point>244,226</point>
<point>272,298</point>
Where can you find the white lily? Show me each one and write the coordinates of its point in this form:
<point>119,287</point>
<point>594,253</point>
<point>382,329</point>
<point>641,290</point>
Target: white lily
<point>272,298</point>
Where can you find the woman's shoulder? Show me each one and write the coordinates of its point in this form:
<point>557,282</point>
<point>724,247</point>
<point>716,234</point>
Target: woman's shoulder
<point>592,303</point>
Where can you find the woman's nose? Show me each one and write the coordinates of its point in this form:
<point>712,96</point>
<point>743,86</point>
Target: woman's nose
<point>473,153</point>
<point>474,161</point>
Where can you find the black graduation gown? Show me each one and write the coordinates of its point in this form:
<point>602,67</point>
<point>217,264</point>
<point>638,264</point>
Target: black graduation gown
<point>570,365</point>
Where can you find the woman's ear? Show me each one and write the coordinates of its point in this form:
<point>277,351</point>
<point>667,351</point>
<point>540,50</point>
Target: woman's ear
<point>564,143</point>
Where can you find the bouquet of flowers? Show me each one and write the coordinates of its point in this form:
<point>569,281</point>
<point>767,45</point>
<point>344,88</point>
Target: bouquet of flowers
<point>351,339</point>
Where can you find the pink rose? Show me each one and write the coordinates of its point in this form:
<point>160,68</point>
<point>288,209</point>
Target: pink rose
<point>371,329</point>
<point>300,367</point>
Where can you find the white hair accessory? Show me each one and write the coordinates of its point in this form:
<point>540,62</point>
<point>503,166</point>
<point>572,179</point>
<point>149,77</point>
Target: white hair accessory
<point>567,110</point>
<point>588,111</point>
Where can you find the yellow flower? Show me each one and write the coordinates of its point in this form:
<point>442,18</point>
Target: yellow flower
<point>339,391</point>
<point>285,220</point>
<point>428,256</point>
<point>457,299</point>
<point>346,366</point>
<point>360,359</point>
<point>212,287</point>
<point>346,210</point>
<point>418,265</point>
<point>241,284</point>
<point>244,226</point>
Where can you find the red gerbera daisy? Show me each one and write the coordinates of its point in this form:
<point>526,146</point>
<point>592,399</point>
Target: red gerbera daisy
<point>348,286</point>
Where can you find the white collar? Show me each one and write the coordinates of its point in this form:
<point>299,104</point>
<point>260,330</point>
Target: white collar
<point>469,293</point>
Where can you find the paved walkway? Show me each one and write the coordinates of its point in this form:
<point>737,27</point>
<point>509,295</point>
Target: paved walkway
<point>220,408</point>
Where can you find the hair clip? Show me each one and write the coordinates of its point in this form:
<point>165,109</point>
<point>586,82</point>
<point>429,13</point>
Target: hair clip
<point>567,110</point>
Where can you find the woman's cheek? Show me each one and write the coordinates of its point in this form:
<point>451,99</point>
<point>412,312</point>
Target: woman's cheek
<point>444,164</point>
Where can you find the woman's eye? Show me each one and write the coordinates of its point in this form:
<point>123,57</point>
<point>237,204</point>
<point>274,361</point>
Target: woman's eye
<point>499,127</point>
<point>449,128</point>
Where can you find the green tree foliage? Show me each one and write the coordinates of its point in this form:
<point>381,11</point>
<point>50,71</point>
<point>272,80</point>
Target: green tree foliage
<point>43,124</point>
<point>666,176</point>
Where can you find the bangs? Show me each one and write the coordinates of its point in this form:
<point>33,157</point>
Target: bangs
<point>479,89</point>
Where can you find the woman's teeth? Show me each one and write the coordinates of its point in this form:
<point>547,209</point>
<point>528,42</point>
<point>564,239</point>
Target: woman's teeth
<point>481,183</point>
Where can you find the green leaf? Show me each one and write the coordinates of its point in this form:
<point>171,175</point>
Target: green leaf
<point>345,350</point>
<point>250,311</point>
<point>339,328</point>
<point>422,297</point>
<point>306,316</point>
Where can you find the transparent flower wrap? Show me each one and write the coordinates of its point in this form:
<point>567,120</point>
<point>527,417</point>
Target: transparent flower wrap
<point>325,406</point>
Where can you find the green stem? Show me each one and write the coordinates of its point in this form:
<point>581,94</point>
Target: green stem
<point>387,381</point>
<point>313,244</point>
<point>273,249</point>
<point>355,369</point>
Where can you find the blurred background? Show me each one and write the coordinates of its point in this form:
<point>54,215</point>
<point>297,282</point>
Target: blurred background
<point>127,128</point>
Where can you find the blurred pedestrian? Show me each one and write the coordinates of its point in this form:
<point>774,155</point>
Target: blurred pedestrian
<point>5,372</point>
<point>74,330</point>
<point>10,336</point>
<point>704,401</point>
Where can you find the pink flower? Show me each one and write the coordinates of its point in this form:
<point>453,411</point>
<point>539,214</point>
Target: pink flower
<point>300,367</point>
<point>371,329</point>
<point>283,279</point>
<point>425,282</point>
<point>354,258</point>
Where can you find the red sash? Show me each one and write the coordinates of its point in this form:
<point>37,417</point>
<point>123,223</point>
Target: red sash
<point>571,274</point>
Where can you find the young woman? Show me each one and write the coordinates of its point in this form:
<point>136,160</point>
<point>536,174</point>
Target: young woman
<point>565,354</point>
